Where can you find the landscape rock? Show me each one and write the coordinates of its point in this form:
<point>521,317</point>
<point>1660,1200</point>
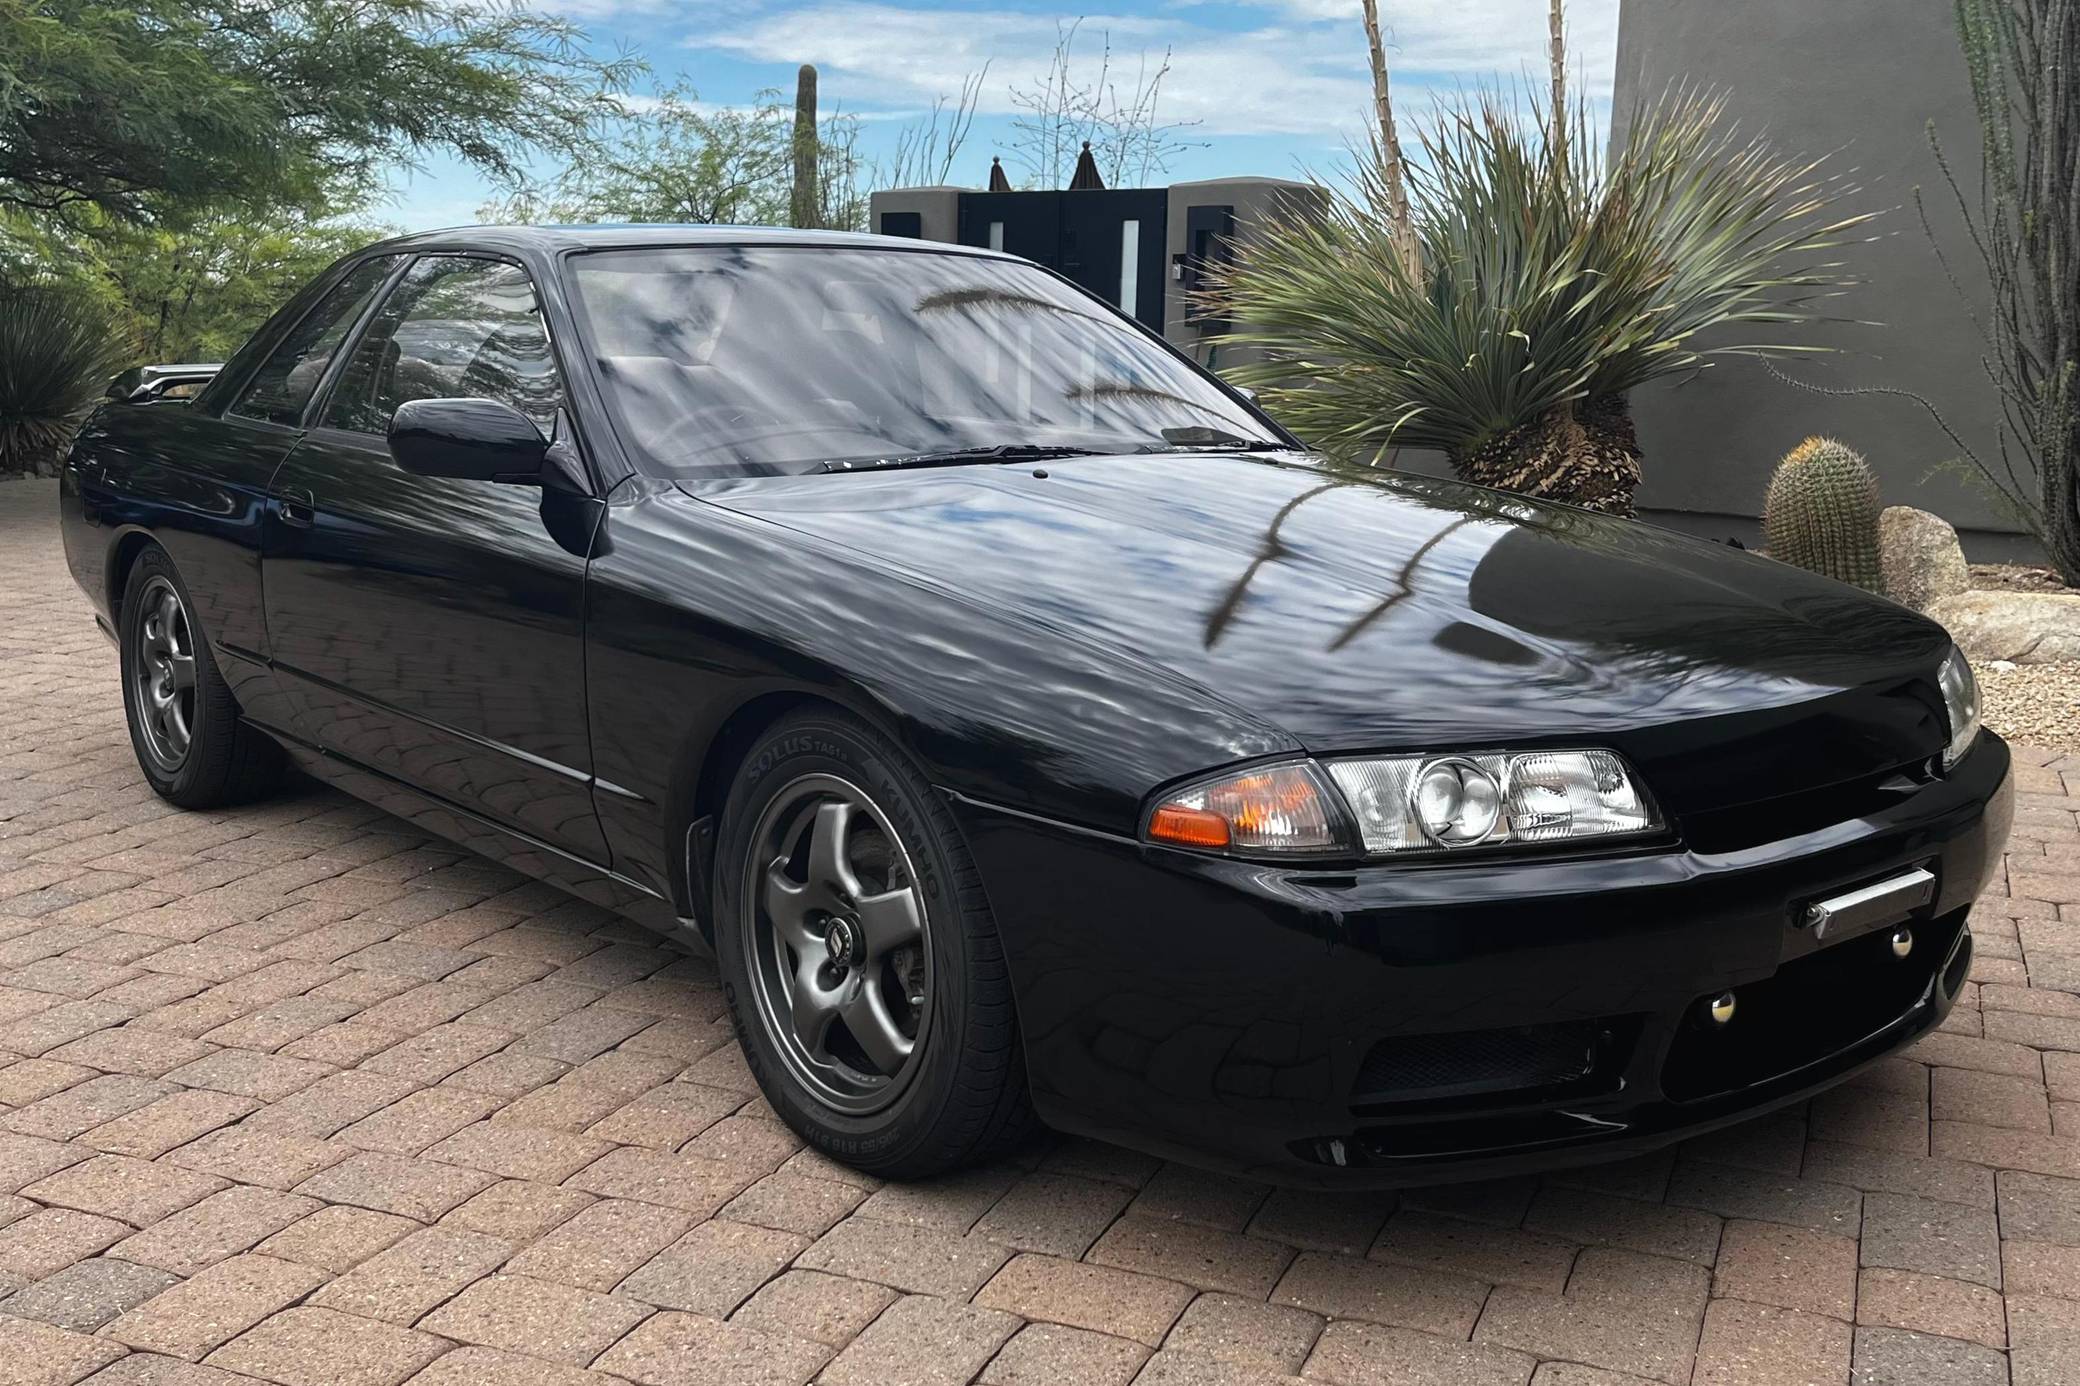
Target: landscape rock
<point>2024,627</point>
<point>1921,558</point>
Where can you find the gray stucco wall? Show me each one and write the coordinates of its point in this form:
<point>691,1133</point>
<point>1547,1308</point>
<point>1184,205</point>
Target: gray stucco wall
<point>1864,78</point>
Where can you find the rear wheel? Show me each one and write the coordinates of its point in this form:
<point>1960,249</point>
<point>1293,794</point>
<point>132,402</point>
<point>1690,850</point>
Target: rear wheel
<point>184,723</point>
<point>863,969</point>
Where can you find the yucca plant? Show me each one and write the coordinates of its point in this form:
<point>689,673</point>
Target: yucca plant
<point>56,355</point>
<point>1547,285</point>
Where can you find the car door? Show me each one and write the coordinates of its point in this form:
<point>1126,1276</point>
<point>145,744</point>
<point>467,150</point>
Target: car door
<point>429,628</point>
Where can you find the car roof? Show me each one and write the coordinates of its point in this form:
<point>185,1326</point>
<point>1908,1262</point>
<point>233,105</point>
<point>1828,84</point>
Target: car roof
<point>637,235</point>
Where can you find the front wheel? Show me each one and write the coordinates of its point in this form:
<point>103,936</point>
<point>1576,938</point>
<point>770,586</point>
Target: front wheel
<point>184,722</point>
<point>863,969</point>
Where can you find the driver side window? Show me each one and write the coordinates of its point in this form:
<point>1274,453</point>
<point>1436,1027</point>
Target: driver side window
<point>455,327</point>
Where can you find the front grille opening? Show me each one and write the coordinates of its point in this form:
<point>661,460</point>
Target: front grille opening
<point>1819,1005</point>
<point>1527,1060</point>
<point>1374,1146</point>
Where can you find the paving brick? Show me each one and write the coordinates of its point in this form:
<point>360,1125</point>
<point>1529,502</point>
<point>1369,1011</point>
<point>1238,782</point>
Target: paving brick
<point>482,1366</point>
<point>536,1317</point>
<point>922,1341</point>
<point>1747,1344</point>
<point>220,1226</point>
<point>1046,1354</point>
<point>46,1242</point>
<point>337,1239</point>
<point>418,1121</point>
<point>1895,1357</point>
<point>1790,1267</point>
<point>26,1159</point>
<point>87,1294</point>
<point>1575,1216</point>
<point>197,1316</point>
<point>263,1077</point>
<point>1364,1354</point>
<point>920,1260</point>
<point>1318,1221</point>
<point>1400,1296</point>
<point>140,1192</point>
<point>810,1304</point>
<point>41,1354</point>
<point>713,1268</point>
<point>674,1349</point>
<point>1498,1255</point>
<point>1104,1300</point>
<point>1931,1304</point>
<point>1920,1234</point>
<point>1990,1099</point>
<point>2043,1340</point>
<point>408,1280</point>
<point>318,1347</point>
<point>666,1117</point>
<point>1953,1181</point>
<point>598,1247</point>
<point>952,1203</point>
<point>812,1207</point>
<point>1766,1196</point>
<point>2007,1148</point>
<point>85,1106</point>
<point>518,1211</point>
<point>1192,1255</point>
<point>519,1152</point>
<point>1246,1333</point>
<point>332,1103</point>
<point>171,1121</point>
<point>253,1156</point>
<point>418,1189</point>
<point>1184,1194</point>
<point>1622,1311</point>
<point>685,1182</point>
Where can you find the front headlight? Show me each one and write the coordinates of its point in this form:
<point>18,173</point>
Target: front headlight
<point>1961,702</point>
<point>1427,803</point>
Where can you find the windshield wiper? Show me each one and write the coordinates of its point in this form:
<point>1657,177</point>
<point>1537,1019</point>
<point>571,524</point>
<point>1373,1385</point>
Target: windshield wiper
<point>954,457</point>
<point>1197,438</point>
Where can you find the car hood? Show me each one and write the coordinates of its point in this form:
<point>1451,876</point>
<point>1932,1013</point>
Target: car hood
<point>1395,611</point>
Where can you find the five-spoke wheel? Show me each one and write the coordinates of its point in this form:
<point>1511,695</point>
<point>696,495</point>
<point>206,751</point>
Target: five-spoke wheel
<point>859,955</point>
<point>838,941</point>
<point>164,674</point>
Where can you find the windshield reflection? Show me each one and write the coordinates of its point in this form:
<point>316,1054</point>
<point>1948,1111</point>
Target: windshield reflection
<point>750,361</point>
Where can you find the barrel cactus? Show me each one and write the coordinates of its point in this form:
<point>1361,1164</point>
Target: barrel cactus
<point>1821,513</point>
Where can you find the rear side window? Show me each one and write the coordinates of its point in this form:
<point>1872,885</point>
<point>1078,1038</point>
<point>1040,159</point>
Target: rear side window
<point>283,385</point>
<point>455,327</point>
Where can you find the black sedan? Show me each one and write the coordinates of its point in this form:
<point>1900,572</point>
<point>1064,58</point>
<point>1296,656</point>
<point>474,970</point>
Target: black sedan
<point>1031,727</point>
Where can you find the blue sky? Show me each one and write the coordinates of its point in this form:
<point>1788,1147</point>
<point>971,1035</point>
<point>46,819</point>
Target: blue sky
<point>1273,86</point>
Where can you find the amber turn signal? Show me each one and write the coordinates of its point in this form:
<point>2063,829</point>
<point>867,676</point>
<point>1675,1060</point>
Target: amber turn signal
<point>1277,808</point>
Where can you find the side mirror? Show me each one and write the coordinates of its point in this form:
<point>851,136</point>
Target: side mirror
<point>469,439</point>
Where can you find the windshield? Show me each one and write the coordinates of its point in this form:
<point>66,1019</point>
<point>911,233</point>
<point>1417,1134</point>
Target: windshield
<point>752,360</point>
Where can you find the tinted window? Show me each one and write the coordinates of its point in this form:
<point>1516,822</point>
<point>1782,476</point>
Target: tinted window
<point>760,360</point>
<point>453,328</point>
<point>282,386</point>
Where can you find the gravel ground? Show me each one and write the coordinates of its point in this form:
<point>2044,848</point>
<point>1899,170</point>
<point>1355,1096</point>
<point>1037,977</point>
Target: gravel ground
<point>2032,704</point>
<point>2015,577</point>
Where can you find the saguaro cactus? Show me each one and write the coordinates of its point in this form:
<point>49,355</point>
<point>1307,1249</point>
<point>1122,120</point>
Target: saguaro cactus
<point>1821,513</point>
<point>805,207</point>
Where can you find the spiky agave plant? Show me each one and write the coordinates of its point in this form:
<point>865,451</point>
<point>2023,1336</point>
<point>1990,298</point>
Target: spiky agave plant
<point>56,355</point>
<point>1548,287</point>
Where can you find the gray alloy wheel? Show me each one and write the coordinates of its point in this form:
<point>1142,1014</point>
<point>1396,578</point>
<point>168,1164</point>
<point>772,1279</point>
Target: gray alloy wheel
<point>838,944</point>
<point>164,676</point>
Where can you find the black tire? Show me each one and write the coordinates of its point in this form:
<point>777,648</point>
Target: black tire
<point>224,761</point>
<point>964,1099</point>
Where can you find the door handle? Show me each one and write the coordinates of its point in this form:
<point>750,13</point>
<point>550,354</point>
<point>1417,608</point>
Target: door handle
<point>296,507</point>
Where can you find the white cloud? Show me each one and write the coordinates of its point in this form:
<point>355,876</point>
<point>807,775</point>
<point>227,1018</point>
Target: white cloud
<point>1298,69</point>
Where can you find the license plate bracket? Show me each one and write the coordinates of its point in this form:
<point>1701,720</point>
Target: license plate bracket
<point>1868,907</point>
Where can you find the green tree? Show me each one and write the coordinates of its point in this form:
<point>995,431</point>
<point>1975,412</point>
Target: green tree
<point>159,111</point>
<point>673,158</point>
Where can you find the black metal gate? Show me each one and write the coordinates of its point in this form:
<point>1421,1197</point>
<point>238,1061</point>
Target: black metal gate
<point>1110,241</point>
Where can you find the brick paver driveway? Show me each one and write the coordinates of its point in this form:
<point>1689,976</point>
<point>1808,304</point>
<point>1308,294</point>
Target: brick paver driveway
<point>297,1094</point>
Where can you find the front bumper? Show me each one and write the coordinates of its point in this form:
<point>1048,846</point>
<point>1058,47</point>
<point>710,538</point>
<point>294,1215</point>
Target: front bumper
<point>1405,1024</point>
